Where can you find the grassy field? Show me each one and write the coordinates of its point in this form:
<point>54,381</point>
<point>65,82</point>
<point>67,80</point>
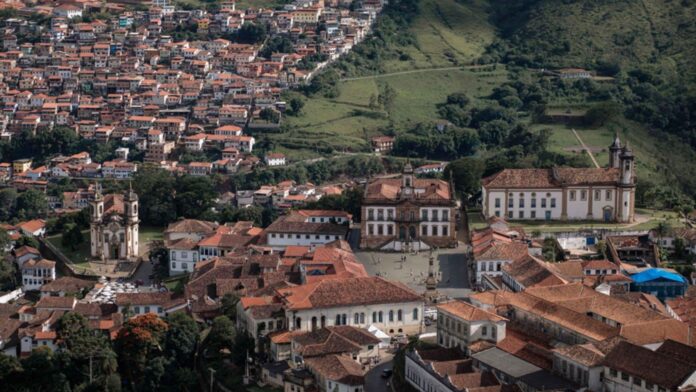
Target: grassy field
<point>80,255</point>
<point>347,123</point>
<point>649,149</point>
<point>448,33</point>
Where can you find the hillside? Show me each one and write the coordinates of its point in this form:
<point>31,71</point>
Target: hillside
<point>585,33</point>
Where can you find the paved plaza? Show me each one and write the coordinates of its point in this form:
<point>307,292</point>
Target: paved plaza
<point>450,268</point>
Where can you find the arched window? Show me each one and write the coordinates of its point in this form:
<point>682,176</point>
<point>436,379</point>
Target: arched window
<point>374,317</point>
<point>399,315</point>
<point>356,318</point>
<point>344,319</point>
<point>415,313</point>
<point>391,316</point>
<point>362,318</point>
<point>338,319</point>
<point>381,316</point>
<point>298,323</point>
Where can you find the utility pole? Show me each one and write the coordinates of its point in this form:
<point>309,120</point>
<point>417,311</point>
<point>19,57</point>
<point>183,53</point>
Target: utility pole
<point>212,378</point>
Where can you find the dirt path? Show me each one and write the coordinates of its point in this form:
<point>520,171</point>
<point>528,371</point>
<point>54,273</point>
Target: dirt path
<point>585,148</point>
<point>413,71</point>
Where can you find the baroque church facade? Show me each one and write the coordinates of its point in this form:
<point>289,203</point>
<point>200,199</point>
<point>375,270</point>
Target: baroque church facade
<point>114,226</point>
<point>605,194</point>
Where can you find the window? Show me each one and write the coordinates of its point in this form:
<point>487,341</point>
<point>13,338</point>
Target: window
<point>583,195</point>
<point>380,214</point>
<point>511,202</point>
<point>533,214</point>
<point>424,230</point>
<point>390,230</point>
<point>533,203</point>
<point>553,202</point>
<point>497,213</point>
<point>445,215</point>
<point>608,194</point>
<point>571,195</point>
<point>362,318</point>
<point>415,313</point>
<point>147,309</point>
<point>184,266</point>
<point>637,381</point>
<point>399,315</point>
<point>597,195</point>
<point>380,316</point>
<point>624,376</point>
<point>338,319</point>
<point>424,215</point>
<point>173,255</point>
<point>543,203</point>
<point>391,316</point>
<point>494,333</point>
<point>510,214</point>
<point>370,214</point>
<point>173,265</point>
<point>484,330</point>
<point>521,214</point>
<point>390,214</point>
<point>435,218</point>
<point>444,231</point>
<point>521,201</point>
<point>370,229</point>
<point>497,202</point>
<point>380,229</point>
<point>374,317</point>
<point>434,230</point>
<point>612,372</point>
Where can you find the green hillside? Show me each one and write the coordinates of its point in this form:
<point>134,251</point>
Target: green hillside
<point>585,33</point>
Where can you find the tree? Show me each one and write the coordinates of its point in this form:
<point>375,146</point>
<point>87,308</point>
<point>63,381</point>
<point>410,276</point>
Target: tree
<point>155,189</point>
<point>194,196</point>
<point>72,236</point>
<point>251,33</point>
<point>296,105</point>
<point>386,97</point>
<point>32,204</point>
<point>88,354</point>
<point>229,305</point>
<point>139,340</point>
<point>466,174</point>
<point>8,203</point>
<point>181,338</point>
<point>270,115</point>
<point>222,334</point>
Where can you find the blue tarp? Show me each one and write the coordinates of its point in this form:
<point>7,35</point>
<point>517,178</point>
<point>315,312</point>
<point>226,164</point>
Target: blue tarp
<point>656,273</point>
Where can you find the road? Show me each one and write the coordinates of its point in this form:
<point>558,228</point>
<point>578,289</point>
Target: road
<point>594,161</point>
<point>373,379</point>
<point>414,71</point>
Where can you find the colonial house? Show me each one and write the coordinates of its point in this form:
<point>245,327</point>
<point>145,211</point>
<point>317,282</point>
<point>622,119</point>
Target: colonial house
<point>598,194</point>
<point>307,228</point>
<point>360,302</point>
<point>408,213</point>
<point>460,324</point>
<point>159,303</point>
<point>37,272</point>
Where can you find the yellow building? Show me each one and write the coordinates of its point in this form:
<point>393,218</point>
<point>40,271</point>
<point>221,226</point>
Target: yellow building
<point>21,165</point>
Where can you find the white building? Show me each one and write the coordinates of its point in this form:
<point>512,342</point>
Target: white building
<point>275,159</point>
<point>37,272</point>
<point>460,324</point>
<point>359,302</point>
<point>159,303</point>
<point>599,194</point>
<point>114,226</point>
<point>307,228</point>
<point>183,256</point>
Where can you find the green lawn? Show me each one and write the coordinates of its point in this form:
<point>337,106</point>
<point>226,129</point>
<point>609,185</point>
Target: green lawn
<point>80,255</point>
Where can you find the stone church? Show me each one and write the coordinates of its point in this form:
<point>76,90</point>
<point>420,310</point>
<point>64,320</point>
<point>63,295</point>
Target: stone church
<point>114,226</point>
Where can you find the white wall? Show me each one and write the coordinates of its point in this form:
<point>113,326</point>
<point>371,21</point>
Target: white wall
<point>408,325</point>
<point>421,379</point>
<point>181,261</point>
<point>290,239</point>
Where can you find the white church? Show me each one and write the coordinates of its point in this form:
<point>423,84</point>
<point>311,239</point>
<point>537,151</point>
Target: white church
<point>560,193</point>
<point>114,226</point>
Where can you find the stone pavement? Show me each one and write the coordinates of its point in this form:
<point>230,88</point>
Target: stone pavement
<point>450,268</point>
